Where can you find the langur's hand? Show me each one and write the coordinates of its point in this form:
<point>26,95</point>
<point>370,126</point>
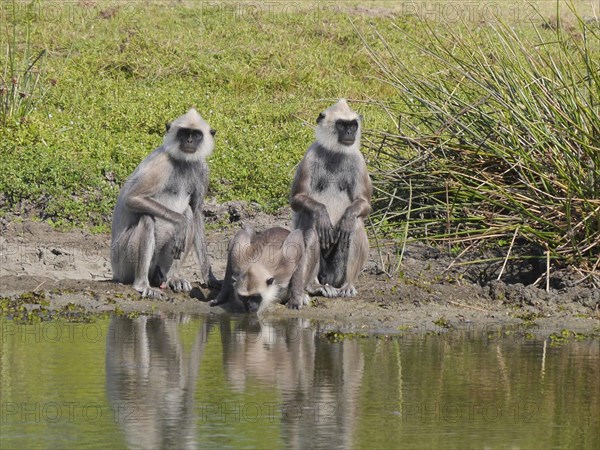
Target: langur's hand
<point>211,281</point>
<point>324,228</point>
<point>178,247</point>
<point>344,230</point>
<point>180,238</point>
<point>297,301</point>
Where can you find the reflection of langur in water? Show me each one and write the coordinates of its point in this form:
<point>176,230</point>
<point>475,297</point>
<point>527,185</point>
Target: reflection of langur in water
<point>150,382</point>
<point>331,198</point>
<point>319,382</point>
<point>267,267</point>
<point>158,215</point>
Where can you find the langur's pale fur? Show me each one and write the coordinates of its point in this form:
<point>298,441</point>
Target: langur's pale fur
<point>325,132</point>
<point>158,216</point>
<point>191,119</point>
<point>331,197</point>
<point>268,267</point>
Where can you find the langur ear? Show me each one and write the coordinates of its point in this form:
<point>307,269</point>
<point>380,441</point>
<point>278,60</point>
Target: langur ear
<point>248,230</point>
<point>292,248</point>
<point>243,237</point>
<point>167,127</point>
<point>240,249</point>
<point>320,118</point>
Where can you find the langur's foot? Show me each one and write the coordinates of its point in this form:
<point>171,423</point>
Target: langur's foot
<point>148,292</point>
<point>347,290</point>
<point>180,285</point>
<point>326,290</point>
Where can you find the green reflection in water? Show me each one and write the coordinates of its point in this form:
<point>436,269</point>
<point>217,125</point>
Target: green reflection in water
<point>232,381</point>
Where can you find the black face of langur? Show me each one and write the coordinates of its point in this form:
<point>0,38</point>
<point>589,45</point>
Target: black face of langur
<point>190,139</point>
<point>252,303</point>
<point>346,129</point>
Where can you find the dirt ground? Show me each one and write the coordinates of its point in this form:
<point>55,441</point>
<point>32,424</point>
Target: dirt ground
<point>38,262</point>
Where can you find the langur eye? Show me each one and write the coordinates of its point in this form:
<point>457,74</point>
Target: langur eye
<point>270,281</point>
<point>213,132</point>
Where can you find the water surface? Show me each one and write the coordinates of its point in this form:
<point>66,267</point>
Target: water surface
<point>236,382</point>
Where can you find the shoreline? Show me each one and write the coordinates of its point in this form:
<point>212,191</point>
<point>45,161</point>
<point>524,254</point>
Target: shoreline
<point>67,274</point>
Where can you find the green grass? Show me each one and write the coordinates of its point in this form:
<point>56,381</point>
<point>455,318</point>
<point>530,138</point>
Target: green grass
<point>260,81</point>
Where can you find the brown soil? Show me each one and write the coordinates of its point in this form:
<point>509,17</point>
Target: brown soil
<point>73,267</point>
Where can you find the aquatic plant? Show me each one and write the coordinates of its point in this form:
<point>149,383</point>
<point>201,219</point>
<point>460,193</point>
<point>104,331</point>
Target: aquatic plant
<point>499,142</point>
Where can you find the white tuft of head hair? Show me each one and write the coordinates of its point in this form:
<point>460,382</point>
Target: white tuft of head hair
<point>326,133</point>
<point>192,120</point>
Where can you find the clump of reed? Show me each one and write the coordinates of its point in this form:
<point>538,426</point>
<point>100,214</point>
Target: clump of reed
<point>499,142</point>
<point>20,65</point>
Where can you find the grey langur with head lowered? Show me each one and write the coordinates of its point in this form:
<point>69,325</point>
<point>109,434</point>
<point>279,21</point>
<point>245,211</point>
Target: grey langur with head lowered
<point>266,267</point>
<point>158,215</point>
<point>331,197</point>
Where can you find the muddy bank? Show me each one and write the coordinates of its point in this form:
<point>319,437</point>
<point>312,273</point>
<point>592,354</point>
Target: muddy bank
<point>70,271</point>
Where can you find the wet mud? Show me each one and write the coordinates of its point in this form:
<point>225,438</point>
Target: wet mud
<point>43,271</point>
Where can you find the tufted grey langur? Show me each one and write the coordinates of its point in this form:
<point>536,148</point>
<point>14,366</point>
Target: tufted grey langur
<point>158,215</point>
<point>331,197</point>
<point>269,266</point>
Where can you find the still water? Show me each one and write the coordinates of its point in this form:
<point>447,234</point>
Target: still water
<point>236,382</point>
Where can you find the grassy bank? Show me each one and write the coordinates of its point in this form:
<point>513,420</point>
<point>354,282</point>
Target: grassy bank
<point>113,74</point>
<point>450,92</point>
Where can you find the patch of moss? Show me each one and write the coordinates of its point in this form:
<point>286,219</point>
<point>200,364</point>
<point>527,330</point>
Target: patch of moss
<point>442,322</point>
<point>338,336</point>
<point>565,336</point>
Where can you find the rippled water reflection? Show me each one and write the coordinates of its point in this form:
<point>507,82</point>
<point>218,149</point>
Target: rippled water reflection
<point>232,381</point>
